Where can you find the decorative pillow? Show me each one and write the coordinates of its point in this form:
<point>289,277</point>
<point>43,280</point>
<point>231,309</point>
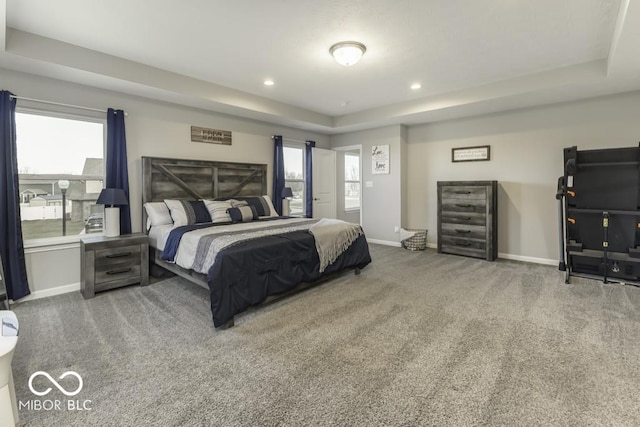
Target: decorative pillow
<point>237,203</point>
<point>263,204</point>
<point>218,210</point>
<point>243,214</point>
<point>185,212</point>
<point>157,214</point>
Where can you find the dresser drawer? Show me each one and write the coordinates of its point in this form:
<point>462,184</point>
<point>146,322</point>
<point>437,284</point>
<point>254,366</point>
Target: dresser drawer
<point>467,218</point>
<point>463,205</point>
<point>464,231</point>
<point>463,192</point>
<point>461,250</point>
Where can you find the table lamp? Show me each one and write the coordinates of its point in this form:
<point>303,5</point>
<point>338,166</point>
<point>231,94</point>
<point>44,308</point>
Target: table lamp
<point>113,197</point>
<point>286,203</point>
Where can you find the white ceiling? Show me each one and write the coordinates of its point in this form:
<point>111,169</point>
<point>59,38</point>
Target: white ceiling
<point>471,57</point>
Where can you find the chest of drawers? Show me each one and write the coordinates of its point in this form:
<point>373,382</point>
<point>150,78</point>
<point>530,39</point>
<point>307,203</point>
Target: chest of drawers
<point>467,218</point>
<point>113,262</point>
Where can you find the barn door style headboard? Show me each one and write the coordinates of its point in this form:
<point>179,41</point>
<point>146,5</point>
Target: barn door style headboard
<point>164,178</point>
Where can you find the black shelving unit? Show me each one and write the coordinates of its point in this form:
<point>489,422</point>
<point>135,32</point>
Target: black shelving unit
<point>599,209</point>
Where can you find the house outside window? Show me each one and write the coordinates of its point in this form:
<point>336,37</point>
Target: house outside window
<point>294,177</point>
<point>55,152</point>
<point>351,182</point>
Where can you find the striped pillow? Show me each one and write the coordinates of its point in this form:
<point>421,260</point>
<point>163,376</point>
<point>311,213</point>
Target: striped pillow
<point>186,212</point>
<point>243,214</point>
<point>218,210</point>
<point>263,204</point>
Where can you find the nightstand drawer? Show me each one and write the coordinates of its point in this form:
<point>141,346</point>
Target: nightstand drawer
<point>115,272</point>
<point>117,256</point>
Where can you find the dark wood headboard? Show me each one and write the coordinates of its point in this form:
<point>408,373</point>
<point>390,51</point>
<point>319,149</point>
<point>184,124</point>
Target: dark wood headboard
<point>164,178</point>
<point>200,179</point>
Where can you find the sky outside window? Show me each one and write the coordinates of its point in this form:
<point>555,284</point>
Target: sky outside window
<point>52,145</point>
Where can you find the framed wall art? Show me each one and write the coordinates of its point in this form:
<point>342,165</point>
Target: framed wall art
<point>471,154</point>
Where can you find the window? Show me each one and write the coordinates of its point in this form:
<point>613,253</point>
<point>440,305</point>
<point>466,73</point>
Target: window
<point>294,177</point>
<point>60,174</point>
<point>351,181</point>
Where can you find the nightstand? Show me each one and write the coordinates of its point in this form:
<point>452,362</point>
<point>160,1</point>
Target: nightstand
<point>113,262</point>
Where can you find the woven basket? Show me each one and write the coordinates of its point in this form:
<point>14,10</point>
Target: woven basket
<point>417,242</point>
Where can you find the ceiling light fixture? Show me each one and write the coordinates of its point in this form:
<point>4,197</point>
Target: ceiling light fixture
<point>347,53</point>
<point>268,82</point>
<point>416,86</point>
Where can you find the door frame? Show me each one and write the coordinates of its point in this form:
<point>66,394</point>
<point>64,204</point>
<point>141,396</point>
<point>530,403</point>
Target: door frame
<point>355,147</point>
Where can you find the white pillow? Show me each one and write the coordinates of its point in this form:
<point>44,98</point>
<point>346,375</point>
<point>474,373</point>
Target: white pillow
<point>218,210</point>
<point>157,214</point>
<point>178,214</point>
<point>267,199</point>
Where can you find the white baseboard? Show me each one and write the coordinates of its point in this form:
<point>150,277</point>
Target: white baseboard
<point>384,242</point>
<point>530,259</point>
<point>512,257</point>
<point>45,293</point>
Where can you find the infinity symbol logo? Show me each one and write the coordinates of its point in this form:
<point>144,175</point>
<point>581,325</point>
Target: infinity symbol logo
<point>55,383</point>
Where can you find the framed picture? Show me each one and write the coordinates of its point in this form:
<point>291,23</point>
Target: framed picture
<point>380,160</point>
<point>471,154</point>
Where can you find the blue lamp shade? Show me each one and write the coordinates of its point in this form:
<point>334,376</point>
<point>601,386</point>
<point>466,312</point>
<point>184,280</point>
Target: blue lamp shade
<point>287,192</point>
<point>112,197</point>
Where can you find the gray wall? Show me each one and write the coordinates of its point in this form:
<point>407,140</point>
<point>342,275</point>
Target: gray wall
<point>526,159</point>
<point>153,129</point>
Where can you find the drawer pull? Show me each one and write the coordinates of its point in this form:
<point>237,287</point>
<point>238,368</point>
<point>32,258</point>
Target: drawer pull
<point>463,192</point>
<point>119,271</point>
<point>461,205</point>
<point>462,231</point>
<point>119,255</point>
<point>462,244</point>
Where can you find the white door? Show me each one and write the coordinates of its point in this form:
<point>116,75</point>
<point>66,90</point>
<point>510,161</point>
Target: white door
<point>324,183</point>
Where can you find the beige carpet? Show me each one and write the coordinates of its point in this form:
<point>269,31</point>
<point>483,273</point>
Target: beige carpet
<point>417,339</point>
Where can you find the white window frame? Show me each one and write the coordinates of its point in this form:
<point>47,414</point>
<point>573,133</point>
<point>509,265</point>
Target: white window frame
<point>61,242</point>
<point>351,181</point>
<point>299,146</point>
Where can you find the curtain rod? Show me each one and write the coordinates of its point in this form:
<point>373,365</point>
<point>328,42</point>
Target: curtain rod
<point>60,104</point>
<point>291,139</point>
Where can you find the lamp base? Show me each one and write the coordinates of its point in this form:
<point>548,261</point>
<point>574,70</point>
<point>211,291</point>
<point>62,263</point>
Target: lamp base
<point>286,207</point>
<point>112,222</point>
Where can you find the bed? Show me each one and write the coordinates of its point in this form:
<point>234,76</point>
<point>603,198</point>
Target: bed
<point>251,259</point>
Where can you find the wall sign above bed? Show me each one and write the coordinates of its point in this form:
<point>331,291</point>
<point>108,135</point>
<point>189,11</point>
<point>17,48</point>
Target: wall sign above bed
<point>211,136</point>
<point>471,154</point>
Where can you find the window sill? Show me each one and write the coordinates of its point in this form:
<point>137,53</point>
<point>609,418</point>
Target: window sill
<point>54,243</point>
<point>353,210</point>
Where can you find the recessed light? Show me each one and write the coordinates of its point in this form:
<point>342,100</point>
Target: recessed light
<point>416,86</point>
<point>268,82</point>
